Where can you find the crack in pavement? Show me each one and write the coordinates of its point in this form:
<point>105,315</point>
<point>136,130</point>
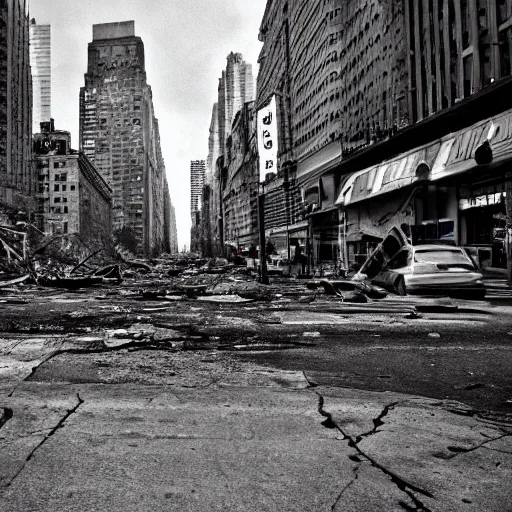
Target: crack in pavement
<point>458,450</point>
<point>497,450</point>
<point>345,489</point>
<point>59,425</point>
<point>377,422</point>
<point>404,486</point>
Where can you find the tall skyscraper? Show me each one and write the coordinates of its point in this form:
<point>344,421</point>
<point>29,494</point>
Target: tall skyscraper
<point>236,88</point>
<point>119,134</point>
<point>16,180</point>
<point>197,174</point>
<point>40,63</point>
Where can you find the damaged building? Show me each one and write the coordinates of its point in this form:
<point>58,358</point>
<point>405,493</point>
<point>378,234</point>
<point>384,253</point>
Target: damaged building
<point>119,133</point>
<point>16,175</point>
<point>393,113</point>
<point>72,197</point>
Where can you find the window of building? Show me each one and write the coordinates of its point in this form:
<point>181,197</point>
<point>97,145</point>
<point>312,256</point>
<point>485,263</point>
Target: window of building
<point>64,188</point>
<point>63,177</point>
<point>505,45</point>
<point>65,225</point>
<point>41,189</point>
<point>56,199</point>
<point>468,75</point>
<point>64,199</point>
<point>56,187</point>
<point>72,188</point>
<point>65,209</point>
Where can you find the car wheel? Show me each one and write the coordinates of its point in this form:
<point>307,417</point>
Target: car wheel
<point>400,286</point>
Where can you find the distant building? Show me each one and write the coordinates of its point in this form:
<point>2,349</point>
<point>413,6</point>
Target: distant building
<point>72,196</point>
<point>16,183</point>
<point>197,176</point>
<point>173,232</point>
<point>197,173</point>
<point>120,135</point>
<point>236,88</point>
<point>40,63</point>
<point>239,182</point>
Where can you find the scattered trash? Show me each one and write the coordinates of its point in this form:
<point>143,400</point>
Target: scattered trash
<point>434,335</point>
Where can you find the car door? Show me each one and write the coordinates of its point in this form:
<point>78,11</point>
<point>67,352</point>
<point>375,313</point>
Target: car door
<point>395,240</point>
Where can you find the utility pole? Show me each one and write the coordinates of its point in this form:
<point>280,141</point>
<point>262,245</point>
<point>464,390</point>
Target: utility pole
<point>263,248</point>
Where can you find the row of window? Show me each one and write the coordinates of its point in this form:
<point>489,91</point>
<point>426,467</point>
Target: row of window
<point>45,187</point>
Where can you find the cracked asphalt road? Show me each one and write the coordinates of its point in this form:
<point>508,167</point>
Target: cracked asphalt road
<point>110,403</point>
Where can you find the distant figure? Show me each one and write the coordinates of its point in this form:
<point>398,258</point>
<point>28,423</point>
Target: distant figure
<point>298,258</point>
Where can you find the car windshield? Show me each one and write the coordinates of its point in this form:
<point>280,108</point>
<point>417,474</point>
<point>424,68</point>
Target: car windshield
<point>444,256</point>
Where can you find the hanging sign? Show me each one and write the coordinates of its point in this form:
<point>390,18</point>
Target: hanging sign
<point>267,138</point>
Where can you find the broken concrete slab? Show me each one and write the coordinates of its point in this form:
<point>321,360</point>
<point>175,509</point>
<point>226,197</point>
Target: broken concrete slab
<point>421,445</point>
<point>224,449</point>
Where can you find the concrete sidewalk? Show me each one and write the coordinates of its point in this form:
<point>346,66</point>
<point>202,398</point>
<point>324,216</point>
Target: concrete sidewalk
<point>213,434</point>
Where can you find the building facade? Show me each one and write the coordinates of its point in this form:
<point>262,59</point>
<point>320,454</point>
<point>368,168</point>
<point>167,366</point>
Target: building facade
<point>72,197</point>
<point>197,175</point>
<point>235,89</point>
<point>120,135</point>
<point>239,182</point>
<point>381,108</point>
<point>173,236</point>
<point>16,175</point>
<point>40,63</point>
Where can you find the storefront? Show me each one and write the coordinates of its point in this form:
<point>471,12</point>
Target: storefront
<point>378,198</point>
<point>483,225</point>
<point>441,191</point>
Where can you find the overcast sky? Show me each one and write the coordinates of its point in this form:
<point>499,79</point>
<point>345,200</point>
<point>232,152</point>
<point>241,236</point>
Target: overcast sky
<point>186,44</point>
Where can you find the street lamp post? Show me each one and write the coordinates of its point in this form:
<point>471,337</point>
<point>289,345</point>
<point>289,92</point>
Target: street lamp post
<point>261,223</point>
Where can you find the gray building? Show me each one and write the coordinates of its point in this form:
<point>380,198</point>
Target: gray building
<point>16,181</point>
<point>40,63</point>
<point>72,197</point>
<point>197,174</point>
<point>119,133</point>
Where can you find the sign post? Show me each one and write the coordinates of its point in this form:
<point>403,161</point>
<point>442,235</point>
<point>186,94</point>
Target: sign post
<point>267,160</point>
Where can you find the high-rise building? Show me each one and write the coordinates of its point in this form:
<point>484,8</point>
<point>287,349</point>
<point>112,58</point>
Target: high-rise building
<point>16,182</point>
<point>40,63</point>
<point>120,135</point>
<point>390,114</point>
<point>197,174</point>
<point>173,232</point>
<point>236,88</point>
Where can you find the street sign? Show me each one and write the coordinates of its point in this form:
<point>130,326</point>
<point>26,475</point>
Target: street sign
<point>267,138</point>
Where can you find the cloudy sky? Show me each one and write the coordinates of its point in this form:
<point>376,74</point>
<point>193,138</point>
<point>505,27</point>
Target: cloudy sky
<point>186,44</point>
